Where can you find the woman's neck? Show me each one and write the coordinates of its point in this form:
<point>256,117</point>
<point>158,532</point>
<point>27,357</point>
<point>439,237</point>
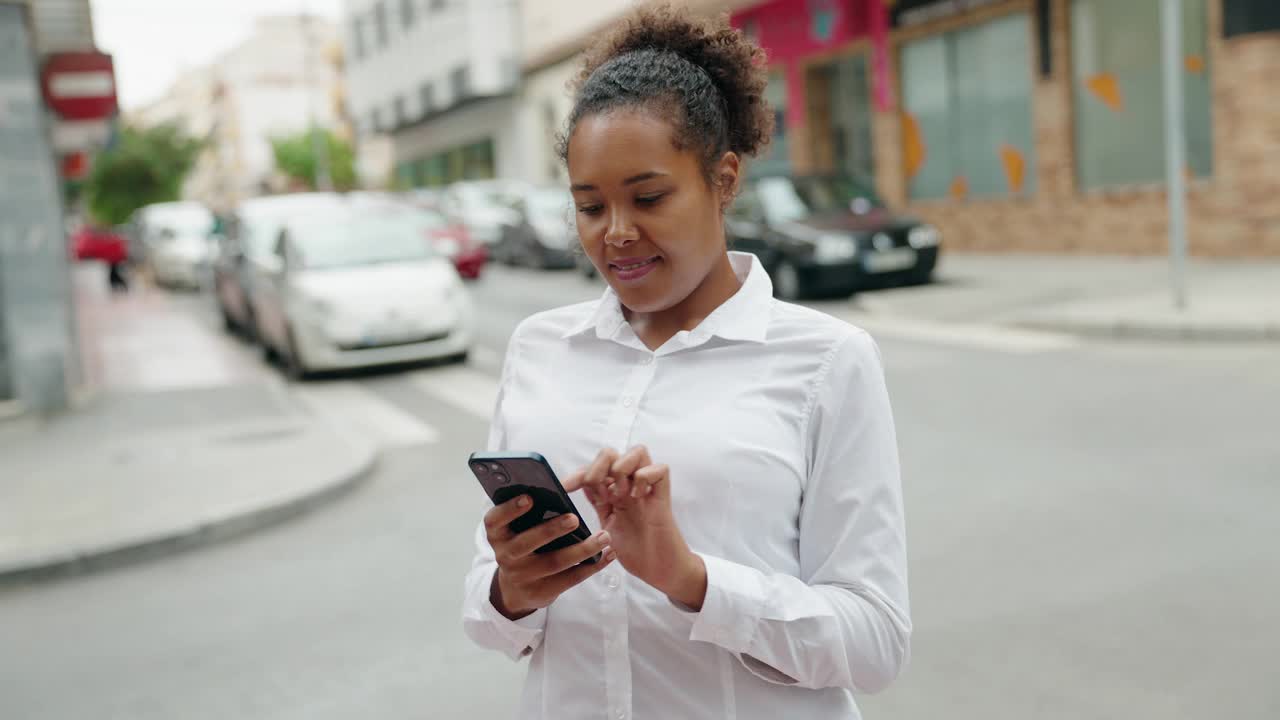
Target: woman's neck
<point>656,328</point>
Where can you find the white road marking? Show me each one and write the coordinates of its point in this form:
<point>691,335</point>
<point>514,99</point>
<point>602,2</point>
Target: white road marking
<point>353,409</point>
<point>983,337</point>
<point>465,388</point>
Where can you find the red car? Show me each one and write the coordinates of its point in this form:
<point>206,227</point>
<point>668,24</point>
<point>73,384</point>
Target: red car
<point>94,243</point>
<point>455,242</point>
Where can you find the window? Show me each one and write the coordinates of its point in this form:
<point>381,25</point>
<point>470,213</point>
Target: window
<point>375,120</point>
<point>1249,16</point>
<point>438,5</point>
<point>380,24</point>
<point>407,12</point>
<point>1119,92</point>
<point>357,38</point>
<point>401,110</point>
<point>427,97</point>
<point>967,128</point>
<point>459,80</point>
<point>777,157</point>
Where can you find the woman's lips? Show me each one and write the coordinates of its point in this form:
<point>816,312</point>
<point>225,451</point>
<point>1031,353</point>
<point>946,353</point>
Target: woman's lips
<point>633,268</point>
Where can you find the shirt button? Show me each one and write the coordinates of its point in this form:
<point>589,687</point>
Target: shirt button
<point>626,401</point>
<point>613,582</point>
<point>648,359</point>
<point>620,714</point>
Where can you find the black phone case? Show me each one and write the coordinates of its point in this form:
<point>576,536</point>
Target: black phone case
<point>505,475</point>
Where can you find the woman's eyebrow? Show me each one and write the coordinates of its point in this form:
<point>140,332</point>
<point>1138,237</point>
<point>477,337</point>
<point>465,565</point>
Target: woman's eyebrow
<point>641,177</point>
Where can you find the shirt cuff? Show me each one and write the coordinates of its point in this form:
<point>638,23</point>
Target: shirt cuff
<point>523,636</point>
<point>733,606</point>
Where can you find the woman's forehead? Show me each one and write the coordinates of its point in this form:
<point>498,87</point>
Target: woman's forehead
<point>622,145</point>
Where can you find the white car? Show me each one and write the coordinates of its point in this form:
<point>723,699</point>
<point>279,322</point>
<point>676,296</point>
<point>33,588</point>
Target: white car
<point>352,287</point>
<point>177,243</point>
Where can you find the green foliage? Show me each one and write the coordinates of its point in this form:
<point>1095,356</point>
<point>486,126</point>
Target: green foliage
<point>144,166</point>
<point>296,158</point>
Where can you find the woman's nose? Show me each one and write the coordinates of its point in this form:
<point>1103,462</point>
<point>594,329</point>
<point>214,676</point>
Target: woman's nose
<point>621,230</point>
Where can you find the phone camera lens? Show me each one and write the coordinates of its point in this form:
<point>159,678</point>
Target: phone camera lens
<point>501,478</point>
<point>481,467</point>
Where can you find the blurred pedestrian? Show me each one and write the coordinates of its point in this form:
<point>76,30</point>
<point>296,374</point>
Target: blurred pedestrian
<point>735,453</point>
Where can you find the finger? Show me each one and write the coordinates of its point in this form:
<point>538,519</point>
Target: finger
<point>653,480</point>
<point>597,499</point>
<point>499,516</point>
<point>598,471</point>
<point>575,481</point>
<point>565,558</point>
<point>557,584</point>
<point>524,544</point>
<point>636,458</point>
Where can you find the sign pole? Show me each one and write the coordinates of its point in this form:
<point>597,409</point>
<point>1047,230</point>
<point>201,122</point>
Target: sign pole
<point>1175,147</point>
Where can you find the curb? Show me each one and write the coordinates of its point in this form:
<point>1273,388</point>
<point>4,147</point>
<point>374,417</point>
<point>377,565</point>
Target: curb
<point>199,535</point>
<point>1121,330</point>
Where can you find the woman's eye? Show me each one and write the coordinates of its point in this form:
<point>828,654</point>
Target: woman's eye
<point>650,199</point>
<point>589,209</point>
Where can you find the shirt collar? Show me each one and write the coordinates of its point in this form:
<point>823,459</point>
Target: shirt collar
<point>743,317</point>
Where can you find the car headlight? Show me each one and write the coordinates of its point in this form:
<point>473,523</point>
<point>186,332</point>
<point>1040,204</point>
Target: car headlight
<point>834,248</point>
<point>924,236</point>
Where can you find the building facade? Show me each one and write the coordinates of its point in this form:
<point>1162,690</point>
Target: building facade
<point>280,80</point>
<point>438,77</point>
<point>1036,125</point>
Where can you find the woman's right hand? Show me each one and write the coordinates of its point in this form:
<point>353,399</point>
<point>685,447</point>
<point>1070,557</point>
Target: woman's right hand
<point>527,581</point>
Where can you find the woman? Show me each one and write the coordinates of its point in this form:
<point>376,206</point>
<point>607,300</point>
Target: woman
<point>735,454</point>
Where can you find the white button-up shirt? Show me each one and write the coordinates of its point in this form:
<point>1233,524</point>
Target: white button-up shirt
<point>775,422</point>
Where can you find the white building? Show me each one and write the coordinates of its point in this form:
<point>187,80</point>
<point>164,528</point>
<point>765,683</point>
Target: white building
<point>438,77</point>
<point>283,77</point>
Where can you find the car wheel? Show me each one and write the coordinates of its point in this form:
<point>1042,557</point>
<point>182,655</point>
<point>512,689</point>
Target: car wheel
<point>786,281</point>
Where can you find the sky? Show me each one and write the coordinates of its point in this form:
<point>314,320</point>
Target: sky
<point>152,41</point>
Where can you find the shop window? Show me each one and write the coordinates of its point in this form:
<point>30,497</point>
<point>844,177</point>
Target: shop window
<point>1119,92</point>
<point>967,127</point>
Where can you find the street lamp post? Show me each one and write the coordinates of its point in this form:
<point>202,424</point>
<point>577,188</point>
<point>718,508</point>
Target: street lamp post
<point>1175,147</point>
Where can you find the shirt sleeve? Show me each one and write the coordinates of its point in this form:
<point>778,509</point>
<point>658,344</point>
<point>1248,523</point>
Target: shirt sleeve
<point>845,621</point>
<point>481,621</point>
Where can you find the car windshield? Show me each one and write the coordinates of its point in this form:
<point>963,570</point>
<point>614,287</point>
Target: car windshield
<point>477,197</point>
<point>788,199</point>
<point>330,242</point>
<point>183,220</point>
<point>543,205</point>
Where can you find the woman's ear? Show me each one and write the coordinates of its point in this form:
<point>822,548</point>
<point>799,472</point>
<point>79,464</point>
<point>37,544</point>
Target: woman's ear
<point>728,172</point>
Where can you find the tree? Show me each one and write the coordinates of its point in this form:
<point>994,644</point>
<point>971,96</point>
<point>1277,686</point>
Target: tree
<point>144,166</point>
<point>296,158</point>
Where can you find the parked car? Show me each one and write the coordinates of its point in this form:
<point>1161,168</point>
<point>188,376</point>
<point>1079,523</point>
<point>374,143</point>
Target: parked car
<point>247,233</point>
<point>543,235</point>
<point>176,242</point>
<point>451,237</point>
<point>346,288</point>
<point>829,236</point>
<point>483,206</point>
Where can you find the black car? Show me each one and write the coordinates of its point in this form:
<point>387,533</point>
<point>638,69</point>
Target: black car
<point>828,236</point>
<point>541,233</point>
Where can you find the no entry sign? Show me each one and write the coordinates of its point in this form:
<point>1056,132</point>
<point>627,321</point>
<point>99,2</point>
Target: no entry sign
<point>80,85</point>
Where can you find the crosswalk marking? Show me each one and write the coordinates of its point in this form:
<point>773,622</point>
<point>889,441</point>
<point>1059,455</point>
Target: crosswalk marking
<point>982,337</point>
<point>355,410</point>
<point>467,389</point>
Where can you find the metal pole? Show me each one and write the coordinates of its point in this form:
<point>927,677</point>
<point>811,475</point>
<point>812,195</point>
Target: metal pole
<point>1175,145</point>
<point>319,143</point>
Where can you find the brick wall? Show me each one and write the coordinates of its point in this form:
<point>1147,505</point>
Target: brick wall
<point>1236,212</point>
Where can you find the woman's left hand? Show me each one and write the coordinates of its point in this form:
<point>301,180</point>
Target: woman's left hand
<point>632,496</point>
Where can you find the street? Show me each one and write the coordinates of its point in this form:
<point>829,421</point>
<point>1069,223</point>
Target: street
<point>1092,531</point>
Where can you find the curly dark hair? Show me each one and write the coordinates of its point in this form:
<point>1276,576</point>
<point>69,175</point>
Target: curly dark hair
<point>702,73</point>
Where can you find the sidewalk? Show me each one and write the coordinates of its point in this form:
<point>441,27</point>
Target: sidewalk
<point>184,441</point>
<point>1095,296</point>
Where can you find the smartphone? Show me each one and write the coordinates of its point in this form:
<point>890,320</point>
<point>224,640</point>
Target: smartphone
<point>505,475</point>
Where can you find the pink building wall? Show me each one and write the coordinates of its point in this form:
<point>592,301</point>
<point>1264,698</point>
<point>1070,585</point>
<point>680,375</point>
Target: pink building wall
<point>792,30</point>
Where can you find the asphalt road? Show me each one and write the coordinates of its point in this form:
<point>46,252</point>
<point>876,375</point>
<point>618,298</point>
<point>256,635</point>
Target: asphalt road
<point>1092,534</point>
